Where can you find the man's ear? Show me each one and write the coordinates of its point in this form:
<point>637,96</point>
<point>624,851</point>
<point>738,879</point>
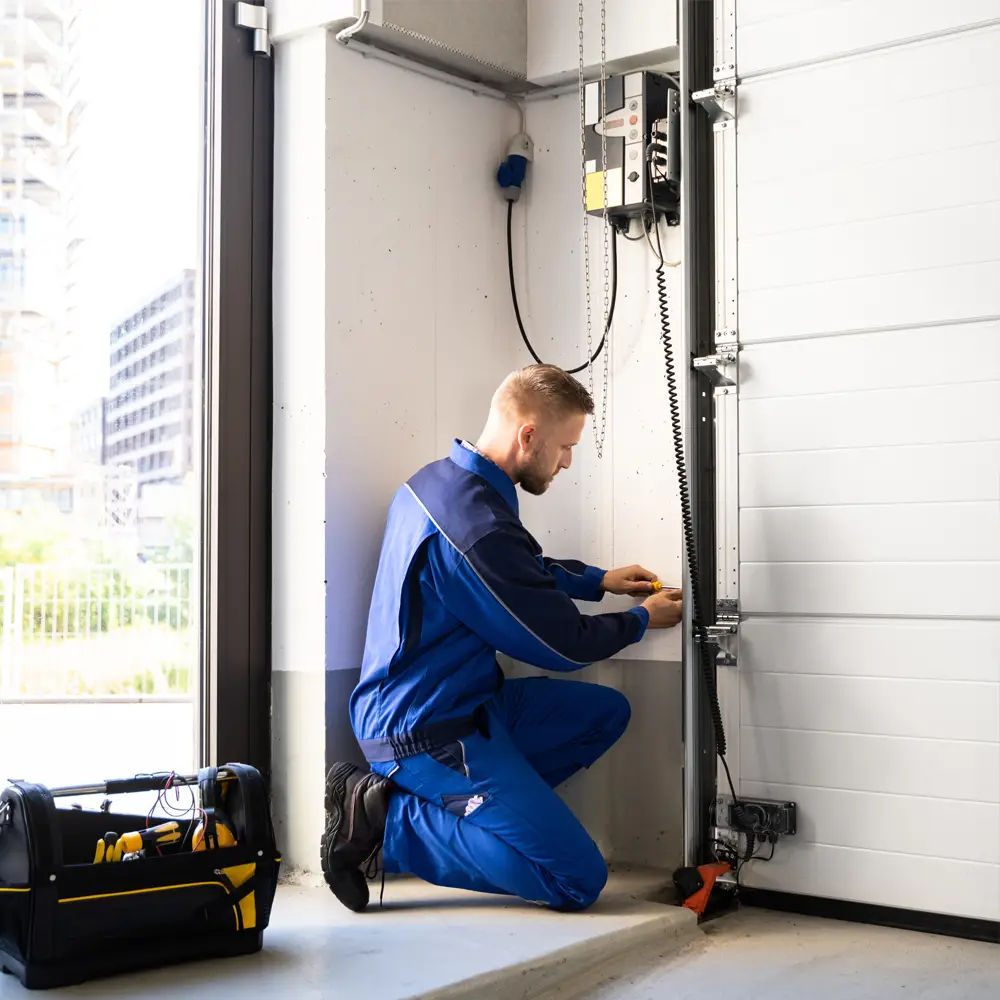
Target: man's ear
<point>525,436</point>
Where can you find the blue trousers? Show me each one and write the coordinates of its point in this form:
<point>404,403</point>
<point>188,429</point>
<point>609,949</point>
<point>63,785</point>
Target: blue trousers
<point>481,814</point>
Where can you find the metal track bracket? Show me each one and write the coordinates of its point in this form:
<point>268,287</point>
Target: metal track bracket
<point>713,366</point>
<point>723,633</point>
<point>719,101</point>
<point>727,621</point>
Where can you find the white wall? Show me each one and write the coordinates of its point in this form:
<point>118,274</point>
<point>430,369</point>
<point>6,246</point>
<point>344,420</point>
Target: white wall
<point>418,329</point>
<point>299,455</point>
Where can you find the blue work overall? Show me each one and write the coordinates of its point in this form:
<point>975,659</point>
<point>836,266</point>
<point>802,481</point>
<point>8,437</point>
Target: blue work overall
<point>475,757</point>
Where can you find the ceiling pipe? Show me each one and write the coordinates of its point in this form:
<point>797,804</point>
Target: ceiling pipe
<point>352,29</point>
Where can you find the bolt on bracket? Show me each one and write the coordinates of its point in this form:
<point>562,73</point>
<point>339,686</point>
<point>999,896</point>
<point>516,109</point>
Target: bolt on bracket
<point>719,100</point>
<point>727,349</point>
<point>726,627</point>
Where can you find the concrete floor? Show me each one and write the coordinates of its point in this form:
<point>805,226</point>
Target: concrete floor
<point>756,954</point>
<point>426,942</point>
<point>446,945</point>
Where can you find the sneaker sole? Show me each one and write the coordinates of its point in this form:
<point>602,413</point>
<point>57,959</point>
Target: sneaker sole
<point>350,887</point>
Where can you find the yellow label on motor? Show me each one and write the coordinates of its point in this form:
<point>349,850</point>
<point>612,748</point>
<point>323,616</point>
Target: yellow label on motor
<point>595,191</point>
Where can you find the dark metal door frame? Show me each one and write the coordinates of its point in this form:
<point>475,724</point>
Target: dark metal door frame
<point>237,393</point>
<point>696,27</point>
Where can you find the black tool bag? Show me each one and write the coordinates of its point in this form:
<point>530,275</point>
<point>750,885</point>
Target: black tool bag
<point>65,918</point>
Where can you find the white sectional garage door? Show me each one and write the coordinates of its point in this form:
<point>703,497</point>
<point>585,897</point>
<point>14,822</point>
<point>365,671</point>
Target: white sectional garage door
<point>868,223</point>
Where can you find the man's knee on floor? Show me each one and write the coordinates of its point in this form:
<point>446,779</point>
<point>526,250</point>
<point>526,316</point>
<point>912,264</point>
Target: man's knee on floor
<point>582,888</point>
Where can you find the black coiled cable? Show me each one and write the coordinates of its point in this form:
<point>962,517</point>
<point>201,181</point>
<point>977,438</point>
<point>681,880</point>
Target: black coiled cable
<point>705,658</point>
<point>705,655</point>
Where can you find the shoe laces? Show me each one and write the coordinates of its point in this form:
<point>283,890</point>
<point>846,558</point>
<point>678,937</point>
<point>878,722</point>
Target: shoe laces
<point>372,870</point>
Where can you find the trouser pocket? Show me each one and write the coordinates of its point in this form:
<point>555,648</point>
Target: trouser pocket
<point>451,755</point>
<point>465,805</point>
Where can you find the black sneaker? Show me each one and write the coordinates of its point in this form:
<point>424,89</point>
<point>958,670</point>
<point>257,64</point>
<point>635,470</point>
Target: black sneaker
<point>356,806</point>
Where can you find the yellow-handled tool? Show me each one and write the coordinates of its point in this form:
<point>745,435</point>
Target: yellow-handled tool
<point>112,847</point>
<point>105,848</point>
<point>142,840</point>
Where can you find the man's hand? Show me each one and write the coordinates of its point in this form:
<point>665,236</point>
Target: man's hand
<point>633,581</point>
<point>666,609</point>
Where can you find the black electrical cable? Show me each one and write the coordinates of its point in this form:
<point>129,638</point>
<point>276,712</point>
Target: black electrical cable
<point>698,622</point>
<point>517,310</point>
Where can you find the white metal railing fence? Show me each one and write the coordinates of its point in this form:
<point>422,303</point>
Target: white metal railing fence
<point>6,626</point>
<point>97,629</point>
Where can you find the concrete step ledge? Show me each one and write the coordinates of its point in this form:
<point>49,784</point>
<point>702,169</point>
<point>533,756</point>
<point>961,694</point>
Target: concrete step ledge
<point>663,929</point>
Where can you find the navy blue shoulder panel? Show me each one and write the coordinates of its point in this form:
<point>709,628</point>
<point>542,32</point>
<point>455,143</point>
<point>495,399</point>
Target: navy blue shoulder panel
<point>464,506</point>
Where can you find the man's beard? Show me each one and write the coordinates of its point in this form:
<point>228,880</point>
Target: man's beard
<point>533,480</point>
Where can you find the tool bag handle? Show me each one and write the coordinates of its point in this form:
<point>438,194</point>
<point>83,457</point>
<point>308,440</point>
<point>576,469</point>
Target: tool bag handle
<point>122,786</point>
<point>139,783</point>
<point>207,778</point>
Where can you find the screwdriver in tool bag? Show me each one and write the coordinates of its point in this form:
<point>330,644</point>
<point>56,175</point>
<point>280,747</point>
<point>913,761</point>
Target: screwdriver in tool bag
<point>138,840</point>
<point>143,840</point>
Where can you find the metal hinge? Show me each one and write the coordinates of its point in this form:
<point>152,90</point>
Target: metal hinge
<point>254,17</point>
<point>727,626</point>
<point>727,349</point>
<point>719,102</point>
<point>727,620</point>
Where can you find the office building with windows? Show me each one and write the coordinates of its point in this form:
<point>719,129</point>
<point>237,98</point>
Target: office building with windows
<point>87,434</point>
<point>149,412</point>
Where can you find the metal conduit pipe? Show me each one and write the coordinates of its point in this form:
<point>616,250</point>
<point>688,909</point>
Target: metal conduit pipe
<point>352,29</point>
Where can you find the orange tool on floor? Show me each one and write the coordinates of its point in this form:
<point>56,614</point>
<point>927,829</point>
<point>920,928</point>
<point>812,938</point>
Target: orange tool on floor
<point>701,880</point>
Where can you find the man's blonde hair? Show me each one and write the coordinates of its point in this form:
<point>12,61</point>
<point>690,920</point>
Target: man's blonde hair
<point>548,389</point>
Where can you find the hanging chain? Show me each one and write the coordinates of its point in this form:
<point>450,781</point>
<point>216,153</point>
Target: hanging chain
<point>586,217</point>
<point>599,434</point>
<point>604,175</point>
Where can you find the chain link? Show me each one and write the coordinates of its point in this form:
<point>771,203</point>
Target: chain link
<point>586,217</point>
<point>604,174</point>
<point>599,434</point>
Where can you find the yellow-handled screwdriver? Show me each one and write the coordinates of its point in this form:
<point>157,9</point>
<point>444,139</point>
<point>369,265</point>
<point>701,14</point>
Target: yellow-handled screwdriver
<point>140,840</point>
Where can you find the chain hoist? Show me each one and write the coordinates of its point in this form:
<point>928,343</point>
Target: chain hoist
<point>599,433</point>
